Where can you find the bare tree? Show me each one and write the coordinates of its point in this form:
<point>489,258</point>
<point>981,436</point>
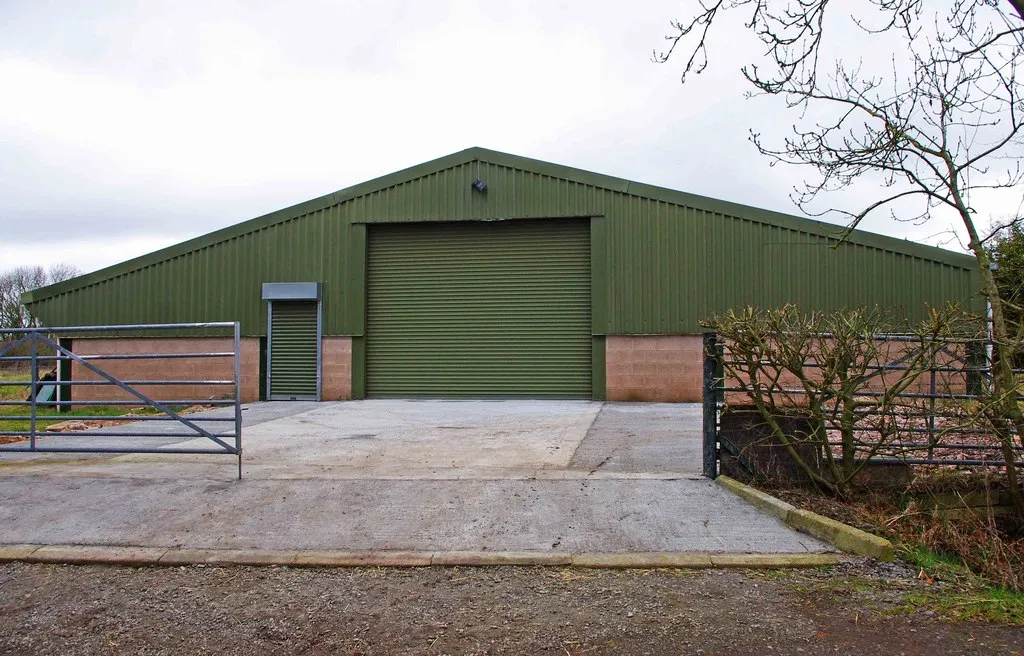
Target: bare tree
<point>62,271</point>
<point>15,282</point>
<point>940,118</point>
<point>860,394</point>
<point>1006,248</point>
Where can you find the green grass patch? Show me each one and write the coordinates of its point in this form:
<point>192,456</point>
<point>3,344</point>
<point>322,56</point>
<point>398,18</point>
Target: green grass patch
<point>945,566</point>
<point>12,392</point>
<point>967,598</point>
<point>996,605</point>
<point>20,392</point>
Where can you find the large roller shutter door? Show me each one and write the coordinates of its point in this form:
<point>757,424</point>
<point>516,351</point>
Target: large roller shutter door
<point>293,350</point>
<point>498,309</point>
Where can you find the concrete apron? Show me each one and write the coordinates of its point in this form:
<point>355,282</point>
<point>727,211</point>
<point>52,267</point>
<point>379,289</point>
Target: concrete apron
<point>425,477</point>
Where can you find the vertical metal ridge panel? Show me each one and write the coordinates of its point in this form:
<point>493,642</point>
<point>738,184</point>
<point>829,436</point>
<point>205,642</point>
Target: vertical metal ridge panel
<point>671,266</point>
<point>294,350</point>
<point>447,196</point>
<point>478,309</point>
<point>222,281</point>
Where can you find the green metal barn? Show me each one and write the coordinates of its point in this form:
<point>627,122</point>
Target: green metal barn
<point>484,274</point>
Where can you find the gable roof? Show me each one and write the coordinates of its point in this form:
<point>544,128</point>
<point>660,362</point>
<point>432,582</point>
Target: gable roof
<point>476,154</point>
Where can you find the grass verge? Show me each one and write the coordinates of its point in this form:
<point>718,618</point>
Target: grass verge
<point>979,565</point>
<point>996,605</point>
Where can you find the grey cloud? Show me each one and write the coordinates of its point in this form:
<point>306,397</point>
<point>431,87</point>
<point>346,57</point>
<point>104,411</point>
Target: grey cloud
<point>631,118</point>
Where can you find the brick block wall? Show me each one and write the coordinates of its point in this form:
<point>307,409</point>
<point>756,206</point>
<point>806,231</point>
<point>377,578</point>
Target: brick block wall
<point>336,369</point>
<point>953,355</point>
<point>250,363</point>
<point>166,369</point>
<point>654,368</point>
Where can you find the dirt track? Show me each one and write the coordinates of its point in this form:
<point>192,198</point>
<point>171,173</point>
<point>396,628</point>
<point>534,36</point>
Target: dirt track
<point>103,610</point>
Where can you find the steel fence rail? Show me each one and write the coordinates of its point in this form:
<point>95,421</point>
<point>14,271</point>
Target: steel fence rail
<point>119,356</point>
<point>936,405</point>
<point>44,347</point>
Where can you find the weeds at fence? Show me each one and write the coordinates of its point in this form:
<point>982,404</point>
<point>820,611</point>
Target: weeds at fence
<point>978,552</point>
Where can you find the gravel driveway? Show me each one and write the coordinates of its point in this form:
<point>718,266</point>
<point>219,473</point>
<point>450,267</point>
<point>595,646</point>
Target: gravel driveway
<point>859,609</point>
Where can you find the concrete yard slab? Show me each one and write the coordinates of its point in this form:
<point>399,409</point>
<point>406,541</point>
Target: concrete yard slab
<point>536,477</point>
<point>154,434</point>
<point>364,439</point>
<point>643,437</point>
<point>386,438</point>
<point>420,515</point>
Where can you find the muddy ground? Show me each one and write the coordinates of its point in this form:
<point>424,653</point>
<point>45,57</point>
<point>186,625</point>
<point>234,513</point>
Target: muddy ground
<point>859,608</point>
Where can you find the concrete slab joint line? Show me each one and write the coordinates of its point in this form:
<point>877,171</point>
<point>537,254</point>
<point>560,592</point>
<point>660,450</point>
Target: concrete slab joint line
<point>847,538</point>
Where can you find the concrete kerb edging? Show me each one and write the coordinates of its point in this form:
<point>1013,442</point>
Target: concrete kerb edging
<point>156,556</point>
<point>844,537</point>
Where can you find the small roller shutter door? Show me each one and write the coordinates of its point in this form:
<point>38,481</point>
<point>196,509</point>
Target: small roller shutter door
<point>474,309</point>
<point>293,350</point>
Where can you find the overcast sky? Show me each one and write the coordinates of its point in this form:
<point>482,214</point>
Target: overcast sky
<point>128,126</point>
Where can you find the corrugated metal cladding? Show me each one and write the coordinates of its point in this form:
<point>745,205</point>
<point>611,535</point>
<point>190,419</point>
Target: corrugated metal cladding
<point>480,309</point>
<point>293,355</point>
<point>447,196</point>
<point>220,280</point>
<point>671,266</point>
<point>662,260</point>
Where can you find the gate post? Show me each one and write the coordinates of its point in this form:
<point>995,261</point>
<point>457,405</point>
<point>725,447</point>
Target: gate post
<point>710,395</point>
<point>33,388</point>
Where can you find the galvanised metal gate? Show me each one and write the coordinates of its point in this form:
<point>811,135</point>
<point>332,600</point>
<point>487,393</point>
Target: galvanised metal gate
<point>47,399</point>
<point>935,432</point>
